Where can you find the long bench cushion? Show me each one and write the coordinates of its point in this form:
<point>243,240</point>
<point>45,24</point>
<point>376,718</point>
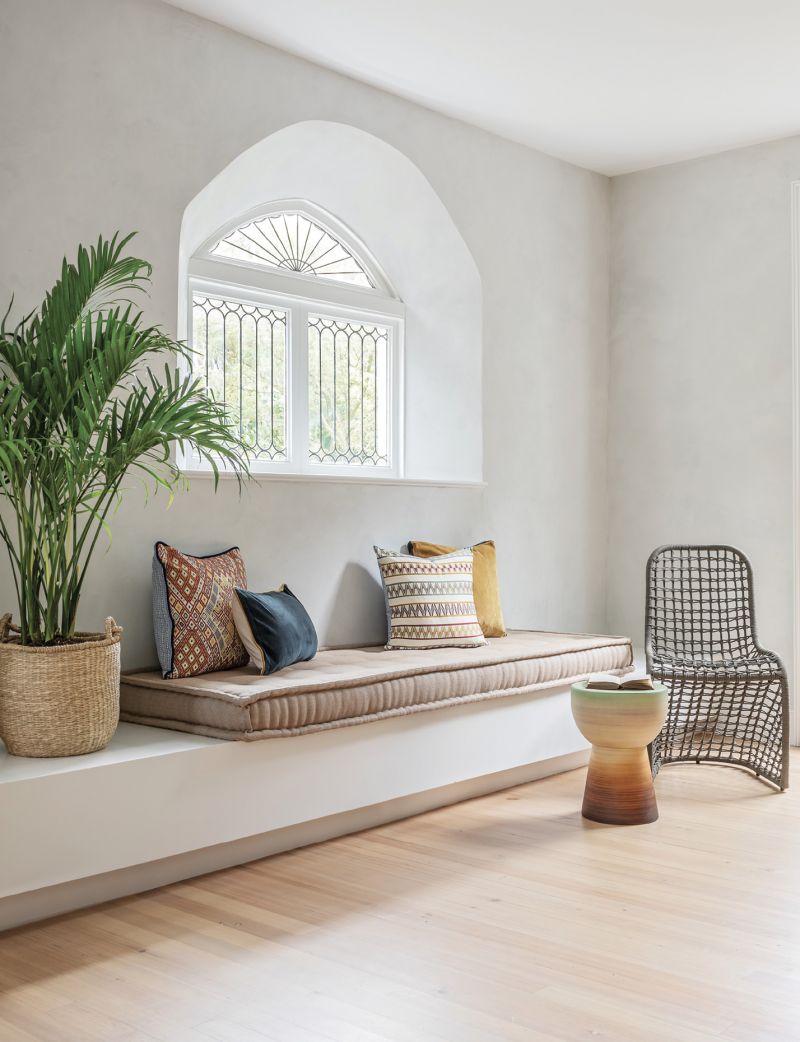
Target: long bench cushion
<point>343,686</point>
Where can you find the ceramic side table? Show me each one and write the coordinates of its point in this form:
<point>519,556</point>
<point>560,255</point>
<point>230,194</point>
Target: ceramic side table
<point>620,725</point>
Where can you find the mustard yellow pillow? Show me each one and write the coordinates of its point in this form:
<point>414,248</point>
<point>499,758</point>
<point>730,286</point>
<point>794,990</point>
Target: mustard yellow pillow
<point>485,588</point>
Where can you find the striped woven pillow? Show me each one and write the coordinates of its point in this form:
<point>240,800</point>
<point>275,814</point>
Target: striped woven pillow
<point>429,601</point>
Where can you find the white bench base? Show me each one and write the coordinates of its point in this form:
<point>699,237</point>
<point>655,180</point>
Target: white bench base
<point>158,806</point>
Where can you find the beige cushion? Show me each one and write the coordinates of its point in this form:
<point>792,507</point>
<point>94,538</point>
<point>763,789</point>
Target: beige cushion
<point>343,686</point>
<point>245,631</point>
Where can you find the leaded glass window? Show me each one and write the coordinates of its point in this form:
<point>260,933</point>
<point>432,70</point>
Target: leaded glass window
<point>295,243</point>
<point>348,383</point>
<point>242,350</point>
<point>296,329</point>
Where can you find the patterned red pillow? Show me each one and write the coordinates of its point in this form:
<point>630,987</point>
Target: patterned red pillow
<point>193,611</point>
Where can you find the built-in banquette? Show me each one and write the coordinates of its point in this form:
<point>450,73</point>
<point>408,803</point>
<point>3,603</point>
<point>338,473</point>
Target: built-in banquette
<point>158,805</point>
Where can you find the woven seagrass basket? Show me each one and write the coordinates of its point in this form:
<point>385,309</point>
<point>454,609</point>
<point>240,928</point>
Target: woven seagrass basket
<point>62,700</point>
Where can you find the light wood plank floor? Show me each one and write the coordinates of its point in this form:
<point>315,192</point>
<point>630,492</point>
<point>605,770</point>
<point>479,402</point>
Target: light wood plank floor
<point>504,919</point>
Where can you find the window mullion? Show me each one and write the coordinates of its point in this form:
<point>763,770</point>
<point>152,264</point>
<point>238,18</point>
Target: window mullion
<point>299,417</point>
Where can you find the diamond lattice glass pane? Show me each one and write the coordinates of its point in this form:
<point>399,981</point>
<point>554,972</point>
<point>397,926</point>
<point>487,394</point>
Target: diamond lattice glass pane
<point>348,392</point>
<point>293,242</point>
<point>241,354</point>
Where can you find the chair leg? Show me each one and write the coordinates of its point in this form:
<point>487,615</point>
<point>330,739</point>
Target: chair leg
<point>785,734</point>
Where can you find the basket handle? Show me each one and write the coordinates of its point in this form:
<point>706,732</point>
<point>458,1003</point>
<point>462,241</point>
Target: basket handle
<point>5,626</point>
<point>112,629</point>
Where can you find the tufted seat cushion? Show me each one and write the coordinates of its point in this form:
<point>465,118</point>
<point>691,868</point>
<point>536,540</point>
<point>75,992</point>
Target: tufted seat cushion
<point>344,686</point>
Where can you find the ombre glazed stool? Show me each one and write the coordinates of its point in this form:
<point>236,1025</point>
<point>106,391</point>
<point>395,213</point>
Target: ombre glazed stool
<point>620,724</point>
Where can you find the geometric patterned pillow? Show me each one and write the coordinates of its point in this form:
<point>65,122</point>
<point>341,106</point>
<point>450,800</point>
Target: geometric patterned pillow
<point>193,611</point>
<point>429,602</point>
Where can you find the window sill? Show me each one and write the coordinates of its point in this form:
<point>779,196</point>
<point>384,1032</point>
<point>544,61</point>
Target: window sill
<point>338,479</point>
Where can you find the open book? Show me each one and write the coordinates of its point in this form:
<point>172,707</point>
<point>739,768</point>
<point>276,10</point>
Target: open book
<point>637,680</point>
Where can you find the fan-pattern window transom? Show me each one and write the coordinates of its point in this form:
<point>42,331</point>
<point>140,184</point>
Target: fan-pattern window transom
<point>295,243</point>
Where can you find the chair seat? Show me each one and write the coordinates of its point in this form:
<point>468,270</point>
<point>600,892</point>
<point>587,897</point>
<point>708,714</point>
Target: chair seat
<point>762,664</point>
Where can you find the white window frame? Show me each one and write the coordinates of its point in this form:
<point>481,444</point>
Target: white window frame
<point>298,295</point>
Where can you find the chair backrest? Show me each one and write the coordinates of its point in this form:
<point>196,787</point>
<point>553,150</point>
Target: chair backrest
<point>699,604</point>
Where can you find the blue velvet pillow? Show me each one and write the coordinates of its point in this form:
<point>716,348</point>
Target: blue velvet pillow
<point>275,628</point>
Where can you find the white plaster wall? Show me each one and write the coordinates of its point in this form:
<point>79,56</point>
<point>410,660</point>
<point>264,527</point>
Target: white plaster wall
<point>422,254</point>
<point>700,442</point>
<point>116,113</point>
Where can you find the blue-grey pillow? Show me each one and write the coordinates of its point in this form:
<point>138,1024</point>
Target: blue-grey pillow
<point>274,627</point>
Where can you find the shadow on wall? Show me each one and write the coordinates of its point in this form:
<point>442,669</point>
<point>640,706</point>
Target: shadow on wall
<point>359,592</point>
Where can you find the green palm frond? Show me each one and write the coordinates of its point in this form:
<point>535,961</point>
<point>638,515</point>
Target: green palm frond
<point>100,275</point>
<point>80,409</point>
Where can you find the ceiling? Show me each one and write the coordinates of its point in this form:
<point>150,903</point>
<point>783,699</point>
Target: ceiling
<point>612,85</point>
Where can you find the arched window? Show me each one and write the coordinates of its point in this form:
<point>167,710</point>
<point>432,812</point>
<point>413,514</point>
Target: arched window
<point>296,328</point>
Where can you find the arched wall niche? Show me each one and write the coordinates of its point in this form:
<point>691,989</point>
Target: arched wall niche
<point>387,203</point>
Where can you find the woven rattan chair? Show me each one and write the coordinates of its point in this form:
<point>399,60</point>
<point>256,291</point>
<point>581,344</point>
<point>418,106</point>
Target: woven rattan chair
<point>729,699</point>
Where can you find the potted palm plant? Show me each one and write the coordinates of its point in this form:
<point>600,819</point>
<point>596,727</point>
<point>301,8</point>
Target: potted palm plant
<point>80,410</point>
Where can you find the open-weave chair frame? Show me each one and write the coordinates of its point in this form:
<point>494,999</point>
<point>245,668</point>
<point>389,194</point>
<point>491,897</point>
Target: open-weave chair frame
<point>729,697</point>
